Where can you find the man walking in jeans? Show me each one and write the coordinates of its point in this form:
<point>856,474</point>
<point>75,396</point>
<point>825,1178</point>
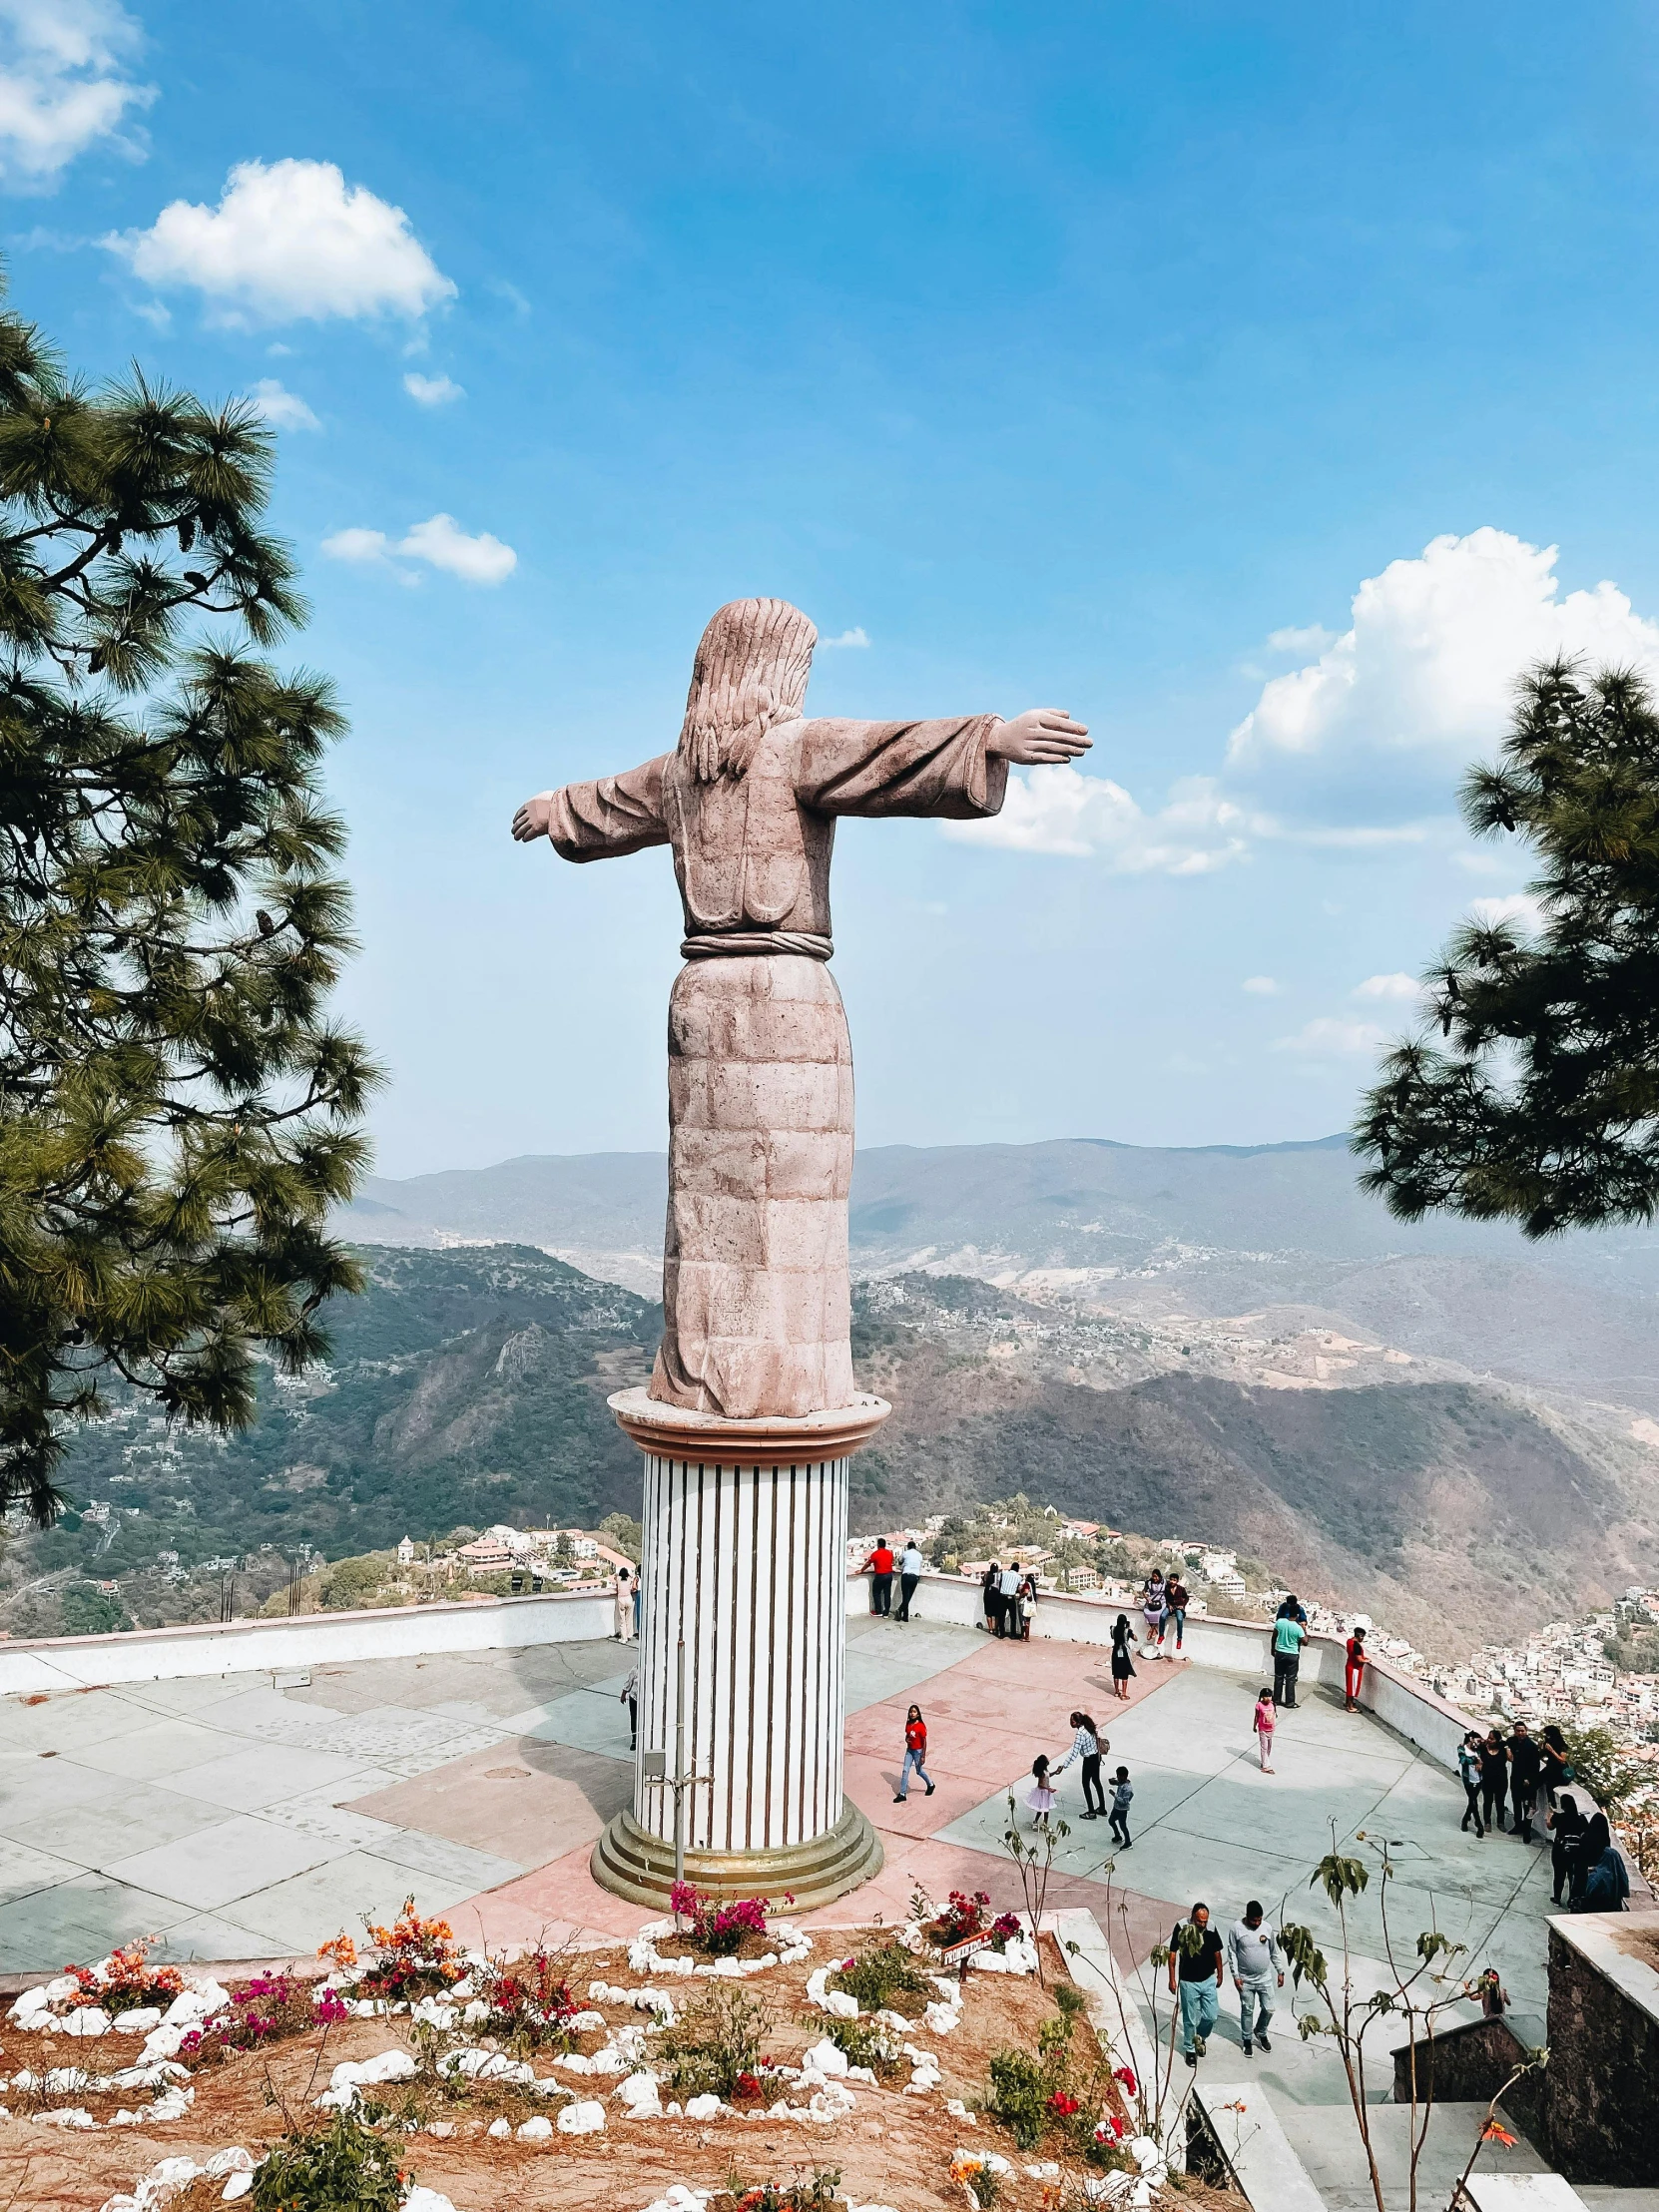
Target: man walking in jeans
<point>1253,1957</point>
<point>1288,1634</point>
<point>1194,1979</point>
<point>879,1563</point>
<point>1176,1598</point>
<point>911,1564</point>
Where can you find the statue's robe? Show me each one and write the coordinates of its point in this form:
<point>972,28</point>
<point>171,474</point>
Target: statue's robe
<point>756,1299</point>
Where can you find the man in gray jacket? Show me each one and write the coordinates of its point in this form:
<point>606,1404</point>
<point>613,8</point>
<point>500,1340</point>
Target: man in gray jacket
<point>1253,1954</point>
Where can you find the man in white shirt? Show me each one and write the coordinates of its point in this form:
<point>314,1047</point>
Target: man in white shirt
<point>1253,1954</point>
<point>1012,1621</point>
<point>910,1565</point>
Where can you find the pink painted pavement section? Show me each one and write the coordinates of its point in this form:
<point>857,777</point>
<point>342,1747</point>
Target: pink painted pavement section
<point>1029,1688</point>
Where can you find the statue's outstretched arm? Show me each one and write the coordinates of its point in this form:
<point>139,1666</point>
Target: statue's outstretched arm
<point>954,767</point>
<point>602,820</point>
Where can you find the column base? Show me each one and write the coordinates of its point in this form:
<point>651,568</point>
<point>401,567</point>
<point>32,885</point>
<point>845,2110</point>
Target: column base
<point>638,1866</point>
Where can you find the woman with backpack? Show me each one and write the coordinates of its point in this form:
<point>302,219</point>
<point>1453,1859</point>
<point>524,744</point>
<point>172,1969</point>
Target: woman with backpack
<point>1122,1665</point>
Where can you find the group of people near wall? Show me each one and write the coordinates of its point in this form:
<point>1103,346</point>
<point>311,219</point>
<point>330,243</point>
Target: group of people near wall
<point>883,1566</point>
<point>1519,1772</point>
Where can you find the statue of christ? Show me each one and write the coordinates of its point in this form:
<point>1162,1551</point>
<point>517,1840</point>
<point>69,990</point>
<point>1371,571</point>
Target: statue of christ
<point>756,1295</point>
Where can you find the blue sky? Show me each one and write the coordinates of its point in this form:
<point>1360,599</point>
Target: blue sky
<point>1267,385</point>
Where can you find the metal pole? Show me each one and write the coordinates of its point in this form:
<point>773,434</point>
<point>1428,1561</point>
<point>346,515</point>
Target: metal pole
<point>680,1762</point>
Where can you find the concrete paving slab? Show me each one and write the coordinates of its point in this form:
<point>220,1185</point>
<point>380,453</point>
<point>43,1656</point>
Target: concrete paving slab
<point>209,1935</point>
<point>257,1775</point>
<point>437,1859</point>
<point>336,1896</point>
<point>218,1865</point>
<point>68,1721</point>
<point>24,1871</point>
<point>156,1749</point>
<point>43,1783</point>
<point>76,1923</point>
<point>128,1819</point>
<point>527,1800</point>
<point>584,1718</point>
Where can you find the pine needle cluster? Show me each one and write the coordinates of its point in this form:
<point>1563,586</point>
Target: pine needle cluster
<point>1538,1101</point>
<point>176,1111</point>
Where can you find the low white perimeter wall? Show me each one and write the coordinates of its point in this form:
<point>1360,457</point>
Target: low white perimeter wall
<point>1400,1701</point>
<point>305,1640</point>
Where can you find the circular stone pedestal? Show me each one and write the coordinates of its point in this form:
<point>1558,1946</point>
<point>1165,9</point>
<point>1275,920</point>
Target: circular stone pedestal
<point>744,1572</point>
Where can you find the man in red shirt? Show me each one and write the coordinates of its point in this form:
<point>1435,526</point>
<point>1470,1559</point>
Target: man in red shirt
<point>880,1566</point>
<point>1354,1670</point>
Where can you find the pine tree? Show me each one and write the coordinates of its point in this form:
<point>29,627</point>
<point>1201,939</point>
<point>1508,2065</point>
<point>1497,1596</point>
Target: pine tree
<point>1543,1103</point>
<point>177,1112</point>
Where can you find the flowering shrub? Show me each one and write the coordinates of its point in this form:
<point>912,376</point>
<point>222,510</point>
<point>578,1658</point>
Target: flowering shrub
<point>530,2003</point>
<point>881,1974</point>
<point>1126,2075</point>
<point>715,2042</point>
<point>964,1916</point>
<point>416,1957</point>
<point>344,2163</point>
<point>1063,2104</point>
<point>815,2192</point>
<point>128,1983</point>
<point>720,1930</point>
<point>1110,2130</point>
<point>1004,1929</point>
<point>757,2083</point>
<point>263,2012</point>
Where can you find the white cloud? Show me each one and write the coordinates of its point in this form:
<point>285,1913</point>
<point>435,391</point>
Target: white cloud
<point>439,541</point>
<point>847,637</point>
<point>283,410</point>
<point>1396,989</point>
<point>1262,986</point>
<point>1332,1037</point>
<point>356,545</point>
<point>1055,809</point>
<point>479,560</point>
<point>63,84</point>
<point>1424,680</point>
<point>1519,907</point>
<point>288,240</point>
<point>432,391</point>
<point>1315,639</point>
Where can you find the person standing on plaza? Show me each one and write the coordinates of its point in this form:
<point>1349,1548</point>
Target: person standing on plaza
<point>1468,1771</point>
<point>1526,1767</point>
<point>1122,1797</point>
<point>1557,1769</point>
<point>990,1582</point>
<point>915,1752</point>
<point>1253,1954</point>
<point>1177,1597</point>
<point>1087,1744</point>
<point>631,1698</point>
<point>1040,1796</point>
<point>880,1566</point>
<point>1123,1666</point>
<point>624,1607</point>
<point>1267,1713</point>
<point>1601,1881</point>
<point>1012,1618</point>
<point>639,1600</point>
<point>910,1565</point>
<point>1566,1826</point>
<point>1027,1601</point>
<point>1288,1638</point>
<point>1494,1777</point>
<point>1353,1671</point>
<point>1153,1609</point>
<point>1196,1973</point>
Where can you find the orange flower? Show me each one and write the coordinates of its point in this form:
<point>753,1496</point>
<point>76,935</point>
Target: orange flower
<point>342,1950</point>
<point>1493,2133</point>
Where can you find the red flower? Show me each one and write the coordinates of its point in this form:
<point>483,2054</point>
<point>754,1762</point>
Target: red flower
<point>1064,2104</point>
<point>1126,2075</point>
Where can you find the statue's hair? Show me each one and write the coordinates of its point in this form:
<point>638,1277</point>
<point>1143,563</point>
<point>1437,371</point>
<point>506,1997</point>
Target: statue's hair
<point>751,671</point>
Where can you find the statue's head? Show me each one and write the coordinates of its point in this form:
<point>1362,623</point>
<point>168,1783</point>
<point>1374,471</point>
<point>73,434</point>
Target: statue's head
<point>751,671</point>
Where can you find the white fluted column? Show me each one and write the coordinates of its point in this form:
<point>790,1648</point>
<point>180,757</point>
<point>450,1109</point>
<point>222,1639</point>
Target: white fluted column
<point>745,1560</point>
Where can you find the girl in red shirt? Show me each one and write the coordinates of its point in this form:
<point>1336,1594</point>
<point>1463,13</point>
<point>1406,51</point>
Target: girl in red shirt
<point>915,1751</point>
<point>1353,1671</point>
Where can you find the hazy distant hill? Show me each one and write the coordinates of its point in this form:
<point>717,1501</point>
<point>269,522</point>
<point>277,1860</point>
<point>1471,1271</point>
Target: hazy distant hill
<point>1219,1230</point>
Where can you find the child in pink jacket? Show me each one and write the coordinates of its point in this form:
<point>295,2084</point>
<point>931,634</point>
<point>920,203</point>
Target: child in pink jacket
<point>1265,1717</point>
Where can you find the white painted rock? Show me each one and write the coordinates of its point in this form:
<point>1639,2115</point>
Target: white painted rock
<point>138,2021</point>
<point>640,2097</point>
<point>428,2200</point>
<point>586,2118</point>
<point>705,2107</point>
<point>499,2128</point>
<point>67,2115</point>
<point>536,2131</point>
<point>678,2199</point>
<point>236,2186</point>
<point>87,2020</point>
<point>826,2058</point>
<point>233,2161</point>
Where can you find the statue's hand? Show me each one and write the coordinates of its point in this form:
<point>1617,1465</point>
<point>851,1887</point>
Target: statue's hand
<point>1039,737</point>
<point>534,819</point>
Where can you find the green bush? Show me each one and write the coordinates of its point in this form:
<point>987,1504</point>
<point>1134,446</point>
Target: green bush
<point>90,1611</point>
<point>345,2167</point>
<point>1603,1766</point>
<point>712,2042</point>
<point>880,1976</point>
<point>1021,2089</point>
